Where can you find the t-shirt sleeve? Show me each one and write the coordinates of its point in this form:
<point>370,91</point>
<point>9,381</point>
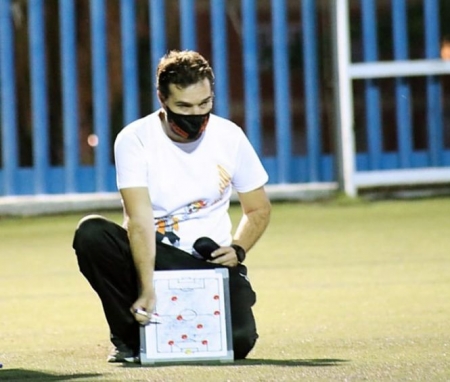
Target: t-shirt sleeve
<point>250,173</point>
<point>131,170</point>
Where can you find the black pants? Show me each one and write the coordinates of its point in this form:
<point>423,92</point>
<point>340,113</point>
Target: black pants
<point>104,258</point>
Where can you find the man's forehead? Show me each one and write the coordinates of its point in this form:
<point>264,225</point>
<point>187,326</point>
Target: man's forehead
<point>201,89</point>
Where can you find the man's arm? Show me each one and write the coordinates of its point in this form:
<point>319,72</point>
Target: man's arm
<point>141,233</point>
<point>255,218</point>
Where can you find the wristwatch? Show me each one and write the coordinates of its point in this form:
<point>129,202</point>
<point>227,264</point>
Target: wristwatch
<point>240,252</point>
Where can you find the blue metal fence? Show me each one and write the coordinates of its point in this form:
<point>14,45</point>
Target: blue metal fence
<point>406,156</point>
<point>419,155</point>
<point>315,165</point>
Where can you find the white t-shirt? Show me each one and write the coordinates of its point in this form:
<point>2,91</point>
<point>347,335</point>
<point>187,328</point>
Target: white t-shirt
<point>190,184</point>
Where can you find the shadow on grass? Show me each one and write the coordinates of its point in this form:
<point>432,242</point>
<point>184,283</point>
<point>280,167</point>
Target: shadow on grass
<point>33,375</point>
<point>292,362</point>
<point>253,362</point>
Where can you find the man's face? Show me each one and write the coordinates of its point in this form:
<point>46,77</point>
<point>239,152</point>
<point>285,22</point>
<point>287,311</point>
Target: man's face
<point>445,51</point>
<point>194,99</point>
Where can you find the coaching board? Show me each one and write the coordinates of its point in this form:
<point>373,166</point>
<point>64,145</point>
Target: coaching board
<point>194,320</point>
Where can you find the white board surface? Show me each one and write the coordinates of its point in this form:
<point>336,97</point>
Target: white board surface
<point>194,314</point>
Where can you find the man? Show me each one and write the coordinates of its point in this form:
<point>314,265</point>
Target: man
<point>445,48</point>
<point>175,171</point>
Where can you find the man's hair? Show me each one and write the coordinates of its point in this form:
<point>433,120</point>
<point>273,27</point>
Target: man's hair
<point>445,40</point>
<point>182,68</point>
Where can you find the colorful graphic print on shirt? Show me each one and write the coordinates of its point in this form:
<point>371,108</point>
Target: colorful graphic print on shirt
<point>167,226</point>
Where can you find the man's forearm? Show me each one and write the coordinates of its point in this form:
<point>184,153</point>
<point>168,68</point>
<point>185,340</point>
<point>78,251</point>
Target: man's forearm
<point>251,227</point>
<point>143,250</point>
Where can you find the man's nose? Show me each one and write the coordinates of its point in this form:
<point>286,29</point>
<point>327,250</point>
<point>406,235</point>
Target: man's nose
<point>196,110</point>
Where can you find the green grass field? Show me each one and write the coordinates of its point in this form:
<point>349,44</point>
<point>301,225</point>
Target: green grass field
<point>346,292</point>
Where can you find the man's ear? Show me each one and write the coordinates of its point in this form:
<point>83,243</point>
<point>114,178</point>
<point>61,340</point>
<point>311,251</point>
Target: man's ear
<point>160,98</point>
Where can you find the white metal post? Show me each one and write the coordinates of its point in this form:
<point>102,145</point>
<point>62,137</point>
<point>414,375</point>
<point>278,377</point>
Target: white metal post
<point>343,83</point>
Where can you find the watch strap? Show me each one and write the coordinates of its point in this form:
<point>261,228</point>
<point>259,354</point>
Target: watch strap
<point>240,252</point>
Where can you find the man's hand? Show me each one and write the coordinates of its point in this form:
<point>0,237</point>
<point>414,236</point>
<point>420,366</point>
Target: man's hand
<point>225,256</point>
<point>146,302</point>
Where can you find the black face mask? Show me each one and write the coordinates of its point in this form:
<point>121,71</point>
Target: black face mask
<point>187,126</point>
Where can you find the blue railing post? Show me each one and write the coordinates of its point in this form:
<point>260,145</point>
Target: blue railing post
<point>402,88</point>
<point>129,60</point>
<point>434,96</point>
<point>38,95</point>
<point>188,25</point>
<point>372,91</point>
<point>100,92</point>
<point>220,56</point>
<point>251,73</point>
<point>311,78</point>
<point>282,90</point>
<point>158,38</point>
<point>69,92</point>
<point>8,103</point>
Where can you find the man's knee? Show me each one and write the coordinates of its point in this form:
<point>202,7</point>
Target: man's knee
<point>89,219</point>
<point>90,230</point>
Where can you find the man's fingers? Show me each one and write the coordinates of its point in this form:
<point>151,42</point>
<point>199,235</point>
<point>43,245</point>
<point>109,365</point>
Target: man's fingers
<point>140,316</point>
<point>227,258</point>
<point>145,318</point>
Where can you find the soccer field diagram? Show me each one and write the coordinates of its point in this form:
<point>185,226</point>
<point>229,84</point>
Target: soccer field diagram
<point>194,320</point>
